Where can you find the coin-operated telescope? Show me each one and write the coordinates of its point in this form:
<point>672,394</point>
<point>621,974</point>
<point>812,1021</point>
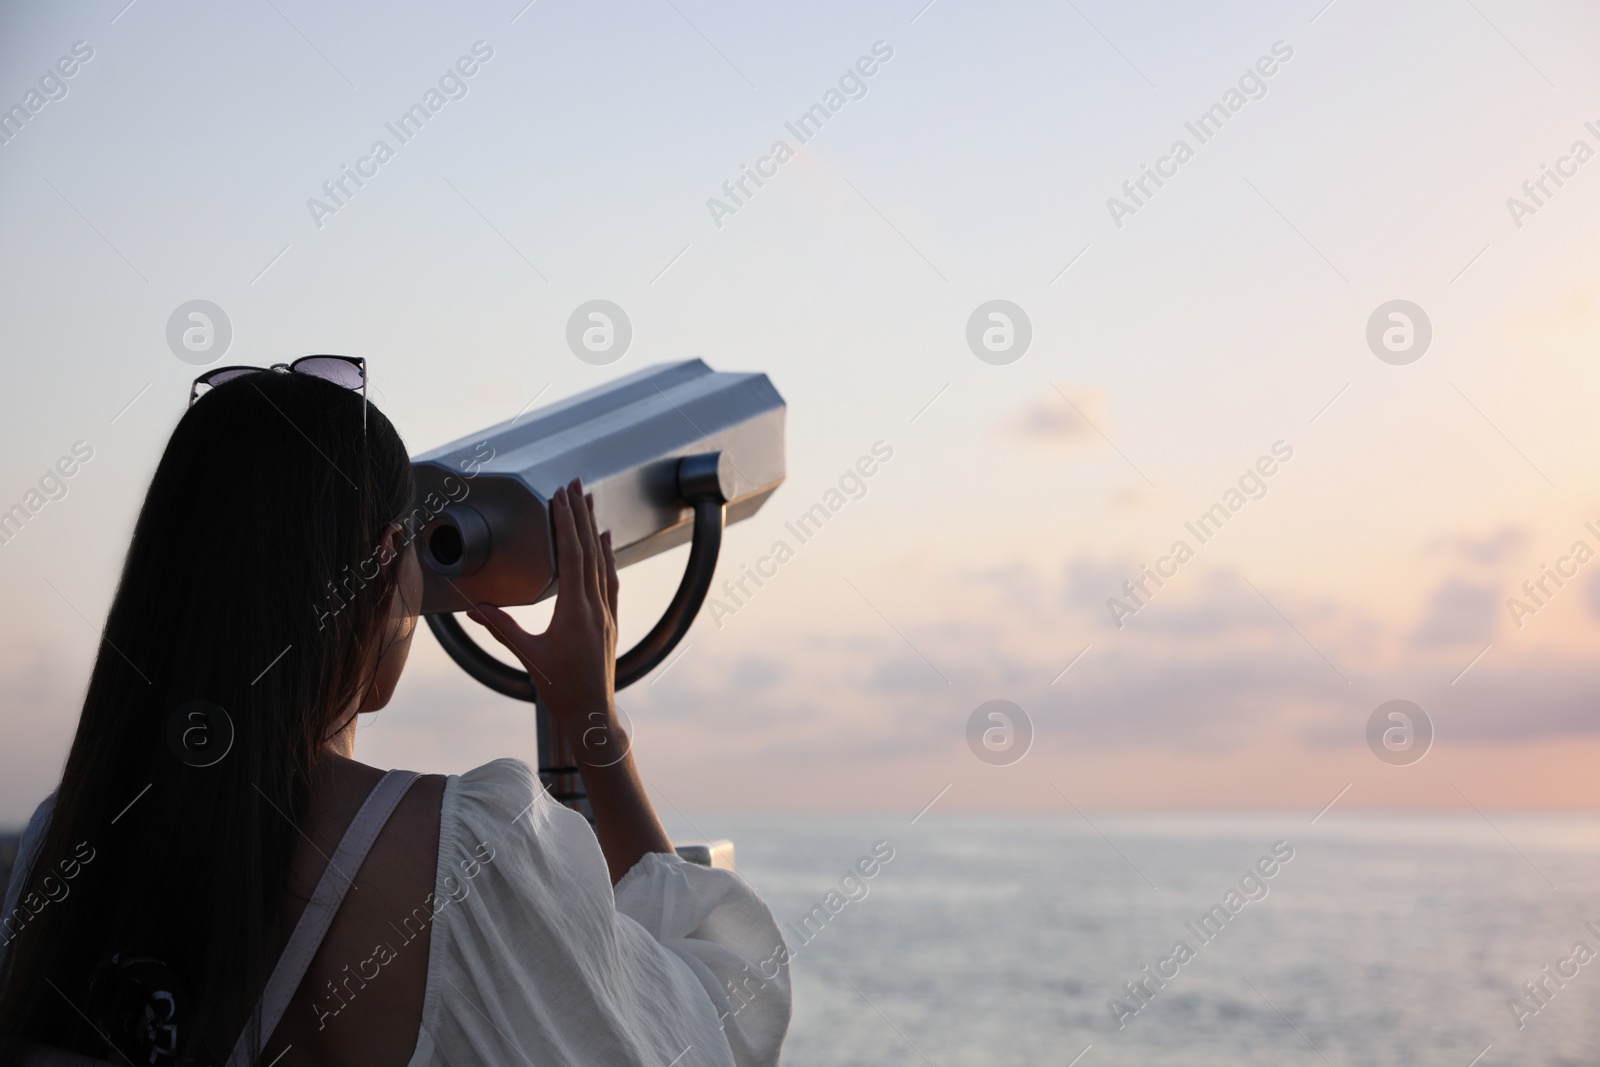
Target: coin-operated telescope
<point>670,453</point>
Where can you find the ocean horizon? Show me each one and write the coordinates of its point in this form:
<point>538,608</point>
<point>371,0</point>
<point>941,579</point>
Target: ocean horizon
<point>1387,938</point>
<point>1382,938</point>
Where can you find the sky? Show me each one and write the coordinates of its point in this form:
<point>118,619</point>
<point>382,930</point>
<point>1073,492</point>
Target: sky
<point>1183,337</point>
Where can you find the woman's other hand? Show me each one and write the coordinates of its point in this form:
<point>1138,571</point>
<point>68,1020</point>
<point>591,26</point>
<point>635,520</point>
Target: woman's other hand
<point>574,661</point>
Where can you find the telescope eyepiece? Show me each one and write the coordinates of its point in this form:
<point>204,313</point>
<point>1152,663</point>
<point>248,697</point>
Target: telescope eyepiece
<point>456,543</point>
<point>446,546</point>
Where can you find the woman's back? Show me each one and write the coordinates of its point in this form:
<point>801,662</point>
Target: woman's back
<point>377,1021</point>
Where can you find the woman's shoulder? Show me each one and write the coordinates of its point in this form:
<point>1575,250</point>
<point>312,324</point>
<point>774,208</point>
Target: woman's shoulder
<point>415,822</point>
<point>447,828</point>
<point>409,836</point>
<point>502,802</point>
<point>505,778</point>
<point>503,809</point>
<point>427,810</point>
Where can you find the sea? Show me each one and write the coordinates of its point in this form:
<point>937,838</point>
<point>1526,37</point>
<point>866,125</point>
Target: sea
<point>1376,939</point>
<point>1382,939</point>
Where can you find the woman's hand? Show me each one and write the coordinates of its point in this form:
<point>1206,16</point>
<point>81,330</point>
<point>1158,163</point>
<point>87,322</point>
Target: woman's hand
<point>574,666</point>
<point>574,662</point>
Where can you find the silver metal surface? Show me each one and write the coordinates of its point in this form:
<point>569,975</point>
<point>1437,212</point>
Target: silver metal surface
<point>483,501</point>
<point>718,853</point>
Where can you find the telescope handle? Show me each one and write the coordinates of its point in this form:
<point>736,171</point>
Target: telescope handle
<point>704,547</point>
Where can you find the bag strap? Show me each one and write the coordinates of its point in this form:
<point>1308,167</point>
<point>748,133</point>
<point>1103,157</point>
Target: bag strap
<point>322,907</point>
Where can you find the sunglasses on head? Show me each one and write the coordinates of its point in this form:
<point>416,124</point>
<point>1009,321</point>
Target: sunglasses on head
<point>348,371</point>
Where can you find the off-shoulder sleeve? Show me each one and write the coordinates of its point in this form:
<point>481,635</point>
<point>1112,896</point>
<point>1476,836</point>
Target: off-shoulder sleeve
<point>716,923</point>
<point>533,959</point>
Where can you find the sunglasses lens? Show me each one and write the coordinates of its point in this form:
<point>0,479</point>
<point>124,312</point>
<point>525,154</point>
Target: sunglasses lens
<point>333,369</point>
<point>225,375</point>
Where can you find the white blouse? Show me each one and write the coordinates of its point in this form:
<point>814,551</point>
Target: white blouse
<point>533,959</point>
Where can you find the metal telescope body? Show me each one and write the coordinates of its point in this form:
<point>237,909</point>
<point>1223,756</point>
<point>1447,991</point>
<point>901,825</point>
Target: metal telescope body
<point>670,453</point>
<point>491,540</point>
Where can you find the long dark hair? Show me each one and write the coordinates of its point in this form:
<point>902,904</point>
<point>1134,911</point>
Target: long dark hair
<point>250,584</point>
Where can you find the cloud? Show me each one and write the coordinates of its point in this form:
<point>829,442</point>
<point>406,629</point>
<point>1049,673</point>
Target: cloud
<point>1533,696</point>
<point>1207,669</point>
<point>1087,581</point>
<point>1494,550</point>
<point>759,672</point>
<point>1591,594</point>
<point>1460,613</point>
<point>1223,605</point>
<point>1051,420</point>
<point>1202,701</point>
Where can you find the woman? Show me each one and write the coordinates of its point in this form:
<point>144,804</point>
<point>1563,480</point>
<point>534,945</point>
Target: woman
<point>172,895</point>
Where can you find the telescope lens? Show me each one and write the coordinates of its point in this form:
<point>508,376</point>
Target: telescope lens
<point>445,545</point>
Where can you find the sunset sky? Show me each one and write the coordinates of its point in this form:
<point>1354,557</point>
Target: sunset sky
<point>1172,348</point>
